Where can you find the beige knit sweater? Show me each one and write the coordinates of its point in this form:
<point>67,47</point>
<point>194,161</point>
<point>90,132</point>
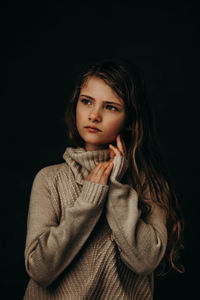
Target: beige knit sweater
<point>86,240</point>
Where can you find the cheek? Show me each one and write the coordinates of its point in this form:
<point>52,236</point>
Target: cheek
<point>116,123</point>
<point>115,126</point>
<point>79,116</point>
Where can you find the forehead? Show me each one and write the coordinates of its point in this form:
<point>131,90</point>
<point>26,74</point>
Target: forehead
<point>96,88</point>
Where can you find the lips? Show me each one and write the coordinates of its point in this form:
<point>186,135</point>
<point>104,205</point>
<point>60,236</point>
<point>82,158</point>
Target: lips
<point>93,129</point>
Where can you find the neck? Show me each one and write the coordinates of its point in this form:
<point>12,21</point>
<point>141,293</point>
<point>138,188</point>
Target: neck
<point>89,147</point>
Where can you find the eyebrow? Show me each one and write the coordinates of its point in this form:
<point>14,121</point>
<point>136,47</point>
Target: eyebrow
<point>107,102</point>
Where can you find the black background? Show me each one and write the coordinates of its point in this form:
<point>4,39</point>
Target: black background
<point>42,45</point>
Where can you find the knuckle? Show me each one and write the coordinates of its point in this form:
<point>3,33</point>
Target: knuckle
<point>105,174</point>
<point>102,164</point>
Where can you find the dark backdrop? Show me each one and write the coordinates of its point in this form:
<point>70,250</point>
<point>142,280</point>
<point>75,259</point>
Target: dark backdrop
<point>42,45</point>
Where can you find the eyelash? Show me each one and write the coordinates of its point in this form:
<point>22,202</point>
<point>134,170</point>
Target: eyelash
<point>115,109</point>
<point>86,102</point>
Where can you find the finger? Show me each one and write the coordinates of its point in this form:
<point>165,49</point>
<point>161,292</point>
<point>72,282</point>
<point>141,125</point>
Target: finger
<point>106,173</point>
<point>109,168</point>
<point>97,172</point>
<point>112,154</point>
<point>120,144</point>
<point>100,165</point>
<point>102,169</point>
<point>93,172</point>
<point>115,150</point>
<point>99,168</point>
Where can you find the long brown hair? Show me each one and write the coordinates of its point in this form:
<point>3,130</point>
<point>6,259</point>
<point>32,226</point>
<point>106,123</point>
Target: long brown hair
<point>146,164</point>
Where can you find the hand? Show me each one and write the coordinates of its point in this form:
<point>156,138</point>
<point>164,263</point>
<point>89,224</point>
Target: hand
<point>100,174</point>
<point>120,150</point>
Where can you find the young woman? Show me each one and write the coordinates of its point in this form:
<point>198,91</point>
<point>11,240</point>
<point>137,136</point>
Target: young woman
<point>100,223</point>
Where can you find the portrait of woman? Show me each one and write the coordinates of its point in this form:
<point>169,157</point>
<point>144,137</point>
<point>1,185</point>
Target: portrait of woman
<point>100,150</point>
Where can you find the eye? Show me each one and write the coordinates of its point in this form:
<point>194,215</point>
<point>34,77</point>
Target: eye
<point>85,101</point>
<point>111,107</point>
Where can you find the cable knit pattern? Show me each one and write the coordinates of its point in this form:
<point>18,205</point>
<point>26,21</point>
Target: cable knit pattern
<point>86,240</point>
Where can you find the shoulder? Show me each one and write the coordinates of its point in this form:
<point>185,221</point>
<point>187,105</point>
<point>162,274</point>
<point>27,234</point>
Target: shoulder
<point>49,174</point>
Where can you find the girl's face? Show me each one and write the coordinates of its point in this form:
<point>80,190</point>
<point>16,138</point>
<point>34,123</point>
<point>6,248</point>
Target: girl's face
<point>100,114</point>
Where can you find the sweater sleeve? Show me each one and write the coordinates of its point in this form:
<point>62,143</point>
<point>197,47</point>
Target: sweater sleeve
<point>142,243</point>
<point>51,244</point>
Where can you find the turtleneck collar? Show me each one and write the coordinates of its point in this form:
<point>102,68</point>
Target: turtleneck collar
<point>82,162</point>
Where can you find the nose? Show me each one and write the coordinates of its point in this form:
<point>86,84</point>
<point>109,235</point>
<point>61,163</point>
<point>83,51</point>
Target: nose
<point>95,115</point>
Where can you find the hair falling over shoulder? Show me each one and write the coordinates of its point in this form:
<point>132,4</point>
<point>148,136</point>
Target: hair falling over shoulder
<point>149,173</point>
<point>147,169</point>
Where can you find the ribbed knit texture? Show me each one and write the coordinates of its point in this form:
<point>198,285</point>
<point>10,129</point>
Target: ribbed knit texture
<point>87,240</point>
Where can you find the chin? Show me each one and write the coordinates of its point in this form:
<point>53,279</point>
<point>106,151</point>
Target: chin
<point>98,142</point>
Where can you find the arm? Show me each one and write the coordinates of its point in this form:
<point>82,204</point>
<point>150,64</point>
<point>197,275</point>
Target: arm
<point>141,243</point>
<point>52,244</point>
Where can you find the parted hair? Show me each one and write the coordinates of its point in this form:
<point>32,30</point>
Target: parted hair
<point>147,167</point>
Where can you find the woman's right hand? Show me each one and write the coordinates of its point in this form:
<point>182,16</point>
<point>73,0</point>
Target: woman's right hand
<point>100,174</point>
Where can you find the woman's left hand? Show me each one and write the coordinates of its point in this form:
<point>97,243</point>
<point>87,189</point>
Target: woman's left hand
<point>120,150</point>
